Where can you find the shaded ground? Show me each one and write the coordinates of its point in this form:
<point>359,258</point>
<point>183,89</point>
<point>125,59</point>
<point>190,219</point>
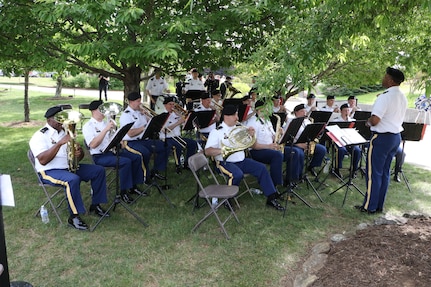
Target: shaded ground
<point>383,256</point>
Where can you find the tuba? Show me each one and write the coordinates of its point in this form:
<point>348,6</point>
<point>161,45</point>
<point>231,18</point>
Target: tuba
<point>232,90</point>
<point>239,139</point>
<point>69,119</point>
<point>111,110</point>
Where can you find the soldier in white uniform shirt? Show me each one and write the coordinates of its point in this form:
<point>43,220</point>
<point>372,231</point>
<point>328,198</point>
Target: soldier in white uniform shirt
<point>205,105</point>
<point>98,133</point>
<point>145,147</point>
<point>342,151</point>
<point>193,84</point>
<point>171,132</point>
<point>266,150</point>
<point>310,106</point>
<point>330,105</point>
<point>156,86</point>
<point>49,147</point>
<point>235,165</point>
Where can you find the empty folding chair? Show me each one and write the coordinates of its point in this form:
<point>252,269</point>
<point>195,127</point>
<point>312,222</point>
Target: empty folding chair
<point>198,164</point>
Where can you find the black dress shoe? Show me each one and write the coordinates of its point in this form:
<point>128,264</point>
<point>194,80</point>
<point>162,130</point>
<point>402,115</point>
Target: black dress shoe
<point>135,190</point>
<point>312,171</point>
<point>98,210</point>
<point>397,177</point>
<point>156,174</point>
<point>362,209</point>
<point>178,169</point>
<point>126,198</point>
<point>76,222</point>
<point>274,204</point>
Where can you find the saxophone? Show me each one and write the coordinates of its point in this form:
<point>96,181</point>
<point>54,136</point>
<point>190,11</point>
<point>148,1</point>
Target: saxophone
<point>278,135</point>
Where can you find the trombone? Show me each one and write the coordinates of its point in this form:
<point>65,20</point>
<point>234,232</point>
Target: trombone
<point>149,112</point>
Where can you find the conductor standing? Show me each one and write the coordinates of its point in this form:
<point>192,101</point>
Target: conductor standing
<point>385,124</point>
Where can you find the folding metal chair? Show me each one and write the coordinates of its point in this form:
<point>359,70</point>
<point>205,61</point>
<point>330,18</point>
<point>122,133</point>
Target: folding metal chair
<point>49,196</point>
<point>198,163</point>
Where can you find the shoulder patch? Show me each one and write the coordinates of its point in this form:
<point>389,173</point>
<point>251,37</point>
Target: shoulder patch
<point>127,111</point>
<point>43,130</point>
<point>385,92</point>
<point>219,127</point>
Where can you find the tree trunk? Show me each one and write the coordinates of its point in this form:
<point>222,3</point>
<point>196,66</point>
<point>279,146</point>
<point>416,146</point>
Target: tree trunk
<point>26,101</point>
<point>132,79</point>
<point>59,86</point>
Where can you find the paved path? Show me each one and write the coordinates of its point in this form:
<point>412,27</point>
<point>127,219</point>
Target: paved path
<point>417,153</point>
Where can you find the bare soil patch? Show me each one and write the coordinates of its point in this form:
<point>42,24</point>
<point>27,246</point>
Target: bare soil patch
<point>381,256</point>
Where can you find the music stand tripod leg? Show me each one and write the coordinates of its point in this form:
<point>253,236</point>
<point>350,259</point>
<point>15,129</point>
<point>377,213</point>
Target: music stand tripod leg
<point>117,199</point>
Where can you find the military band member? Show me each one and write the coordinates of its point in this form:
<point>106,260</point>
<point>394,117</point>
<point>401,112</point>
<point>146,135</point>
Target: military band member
<point>266,150</point>
<point>319,150</point>
<point>353,107</point>
<point>235,165</point>
<point>156,86</point>
<point>385,124</point>
<point>194,83</point>
<point>330,105</point>
<point>49,147</point>
<point>342,151</point>
<point>134,143</point>
<point>98,133</point>
<point>277,106</point>
<point>206,105</point>
<point>311,106</point>
<point>171,132</point>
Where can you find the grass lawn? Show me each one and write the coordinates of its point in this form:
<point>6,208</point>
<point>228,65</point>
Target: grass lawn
<point>264,250</point>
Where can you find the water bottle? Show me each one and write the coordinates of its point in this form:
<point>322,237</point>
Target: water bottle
<point>214,201</point>
<point>256,190</point>
<point>327,164</point>
<point>44,214</point>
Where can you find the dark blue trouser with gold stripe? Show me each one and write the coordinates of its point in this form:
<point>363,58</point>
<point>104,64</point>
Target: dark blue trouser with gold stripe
<point>130,167</point>
<point>72,181</point>
<point>235,172</point>
<point>275,160</point>
<point>381,151</point>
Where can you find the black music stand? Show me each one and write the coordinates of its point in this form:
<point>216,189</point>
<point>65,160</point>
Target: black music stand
<point>152,132</point>
<point>364,131</point>
<point>194,96</point>
<point>311,132</point>
<point>361,115</point>
<point>344,140</point>
<point>320,116</point>
<point>411,132</point>
<point>288,139</point>
<point>332,170</point>
<point>202,118</point>
<point>115,144</point>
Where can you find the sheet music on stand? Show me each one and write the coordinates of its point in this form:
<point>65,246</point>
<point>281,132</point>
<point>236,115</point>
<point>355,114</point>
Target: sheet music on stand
<point>344,137</point>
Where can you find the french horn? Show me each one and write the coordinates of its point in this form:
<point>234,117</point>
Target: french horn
<point>238,139</point>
